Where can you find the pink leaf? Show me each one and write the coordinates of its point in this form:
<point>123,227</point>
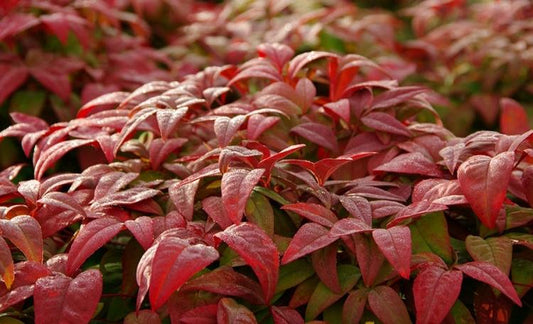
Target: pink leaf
<point>314,212</point>
<point>435,291</point>
<point>396,96</point>
<point>257,124</point>
<point>257,68</point>
<point>441,191</point>
<point>103,102</point>
<point>11,78</point>
<point>132,125</point>
<point>142,230</point>
<point>279,54</point>
<point>226,128</point>
<point>236,186</point>
<point>491,275</point>
<point>125,197</point>
<point>15,296</point>
<point>229,311</point>
<point>55,152</point>
<point>60,299</point>
<point>305,94</point>
<point>395,243</point>
<point>339,108</point>
<point>319,134</point>
<point>90,238</point>
<point>175,261</point>
<point>484,182</point>
<point>416,210</point>
<point>388,306</point>
<point>258,251</point>
<point>513,117</point>
<point>309,238</point>
<point>144,273</point>
<point>25,233</point>
<point>111,182</point>
<point>60,23</point>
<point>63,201</point>
<point>410,163</point>
<point>11,25</point>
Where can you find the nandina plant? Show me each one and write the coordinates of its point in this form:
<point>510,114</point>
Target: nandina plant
<point>287,189</point>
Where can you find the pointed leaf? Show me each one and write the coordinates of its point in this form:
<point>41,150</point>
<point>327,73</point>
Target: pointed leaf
<point>322,297</point>
<point>168,120</point>
<point>90,238</point>
<point>258,251</point>
<point>495,250</point>
<point>257,124</point>
<point>314,212</point>
<point>11,78</point>
<point>112,182</point>
<point>60,299</point>
<point>435,292</point>
<point>63,201</point>
<point>349,226</point>
<point>369,258</point>
<point>214,208</point>
<point>491,275</point>
<point>354,306</point>
<point>513,117</point>
<point>396,96</point>
<point>395,243</point>
<point>430,234</point>
<point>54,153</point>
<point>226,128</point>
<point>160,150</point>
<point>293,274</point>
<point>142,229</point>
<point>25,233</point>
<point>286,315</point>
<point>236,186</point>
<point>175,261</point>
<point>410,163</point>
<point>340,108</point>
<point>388,306</point>
<point>125,197</point>
<point>415,210</point>
<point>183,198</point>
<point>260,212</point>
<point>229,311</point>
<point>484,182</point>
<point>309,238</point>
<point>319,134</point>
<point>301,60</point>
<point>325,264</point>
<point>7,268</point>
<point>144,273</point>
<point>385,123</point>
<point>15,296</point>
<point>358,207</point>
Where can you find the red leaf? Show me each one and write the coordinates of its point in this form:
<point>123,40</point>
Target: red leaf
<point>125,197</point>
<point>175,261</point>
<point>60,23</point>
<point>63,201</point>
<point>484,182</point>
<point>491,275</point>
<point>299,61</point>
<point>111,182</point>
<point>440,191</point>
<point>168,120</point>
<point>7,268</point>
<point>513,117</point>
<point>358,207</point>
<point>305,93</point>
<point>60,299</point>
<point>411,163</point>
<point>183,198</point>
<point>349,226</point>
<point>314,212</point>
<point>435,291</point>
<point>415,210</point>
<point>16,23</point>
<point>205,314</point>
<point>325,264</point>
<point>25,233</point>
<point>354,306</point>
<point>257,68</point>
<point>236,186</point>
<point>258,251</point>
<point>15,296</point>
<point>340,109</point>
<point>144,273</point>
<point>161,149</point>
<point>527,183</point>
<point>11,78</point>
<point>226,281</point>
<point>142,229</point>
<point>309,238</point>
<point>229,312</point>
<point>385,123</point>
<point>103,102</point>
<point>268,162</point>
<point>226,128</point>
<point>319,134</point>
<point>50,156</point>
<point>132,125</point>
<point>90,238</point>
<point>395,243</point>
<point>369,258</point>
<point>388,306</point>
<point>285,315</point>
<point>214,208</point>
<point>396,96</point>
<point>279,54</point>
<point>257,124</point>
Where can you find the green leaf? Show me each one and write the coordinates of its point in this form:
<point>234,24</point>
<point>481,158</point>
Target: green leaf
<point>496,250</point>
<point>522,275</point>
<point>294,273</point>
<point>461,314</point>
<point>323,297</point>
<point>28,102</point>
<point>430,234</point>
<point>259,211</point>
